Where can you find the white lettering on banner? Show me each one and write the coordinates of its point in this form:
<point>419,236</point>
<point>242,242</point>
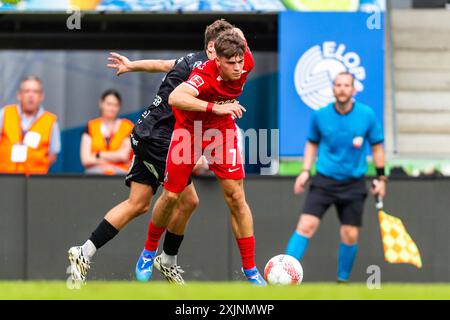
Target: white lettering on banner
<point>317,68</point>
<point>350,59</point>
<point>73,22</point>
<point>262,145</point>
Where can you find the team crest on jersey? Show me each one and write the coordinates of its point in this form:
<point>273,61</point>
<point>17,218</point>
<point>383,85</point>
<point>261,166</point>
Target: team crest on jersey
<point>358,142</point>
<point>196,81</point>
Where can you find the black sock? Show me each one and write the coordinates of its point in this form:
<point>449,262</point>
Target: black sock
<point>105,232</point>
<point>172,243</point>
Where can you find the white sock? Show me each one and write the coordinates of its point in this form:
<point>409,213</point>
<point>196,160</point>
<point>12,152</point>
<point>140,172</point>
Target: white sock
<point>167,260</point>
<point>89,249</point>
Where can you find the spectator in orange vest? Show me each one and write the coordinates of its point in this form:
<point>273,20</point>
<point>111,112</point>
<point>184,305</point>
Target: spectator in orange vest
<point>105,144</point>
<point>30,139</point>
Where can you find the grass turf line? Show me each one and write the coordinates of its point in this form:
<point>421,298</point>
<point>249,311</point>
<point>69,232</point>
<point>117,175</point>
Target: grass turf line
<point>217,291</point>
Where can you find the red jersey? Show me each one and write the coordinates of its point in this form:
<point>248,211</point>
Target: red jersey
<point>209,86</point>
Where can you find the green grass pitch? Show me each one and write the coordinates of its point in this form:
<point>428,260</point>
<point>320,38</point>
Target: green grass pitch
<point>217,291</point>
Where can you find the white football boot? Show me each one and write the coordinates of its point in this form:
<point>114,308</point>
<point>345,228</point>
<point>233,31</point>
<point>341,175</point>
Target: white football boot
<point>172,273</point>
<point>79,264</point>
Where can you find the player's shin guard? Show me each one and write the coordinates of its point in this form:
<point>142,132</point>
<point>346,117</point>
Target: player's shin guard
<point>297,245</point>
<point>172,243</point>
<point>153,236</point>
<point>104,232</point>
<point>247,250</point>
<point>347,255</point>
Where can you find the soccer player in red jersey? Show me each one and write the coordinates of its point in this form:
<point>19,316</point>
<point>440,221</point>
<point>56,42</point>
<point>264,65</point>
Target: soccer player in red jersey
<point>150,141</point>
<point>205,107</point>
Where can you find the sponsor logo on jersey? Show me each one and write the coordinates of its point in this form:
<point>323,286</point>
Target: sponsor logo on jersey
<point>224,101</point>
<point>196,81</point>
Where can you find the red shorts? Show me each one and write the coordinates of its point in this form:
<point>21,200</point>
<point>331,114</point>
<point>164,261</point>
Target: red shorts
<point>219,146</point>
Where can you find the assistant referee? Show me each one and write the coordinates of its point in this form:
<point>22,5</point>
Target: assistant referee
<point>337,137</point>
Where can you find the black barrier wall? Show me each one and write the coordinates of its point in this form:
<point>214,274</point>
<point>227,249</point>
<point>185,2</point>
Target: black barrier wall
<point>41,217</point>
<point>13,198</point>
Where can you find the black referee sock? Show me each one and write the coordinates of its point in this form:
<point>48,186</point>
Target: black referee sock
<point>172,243</point>
<point>104,232</point>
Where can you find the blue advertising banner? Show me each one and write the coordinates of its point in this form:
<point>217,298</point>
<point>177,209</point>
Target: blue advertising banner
<point>192,5</point>
<point>313,49</point>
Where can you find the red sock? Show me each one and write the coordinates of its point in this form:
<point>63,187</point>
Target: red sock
<point>247,249</point>
<point>153,236</point>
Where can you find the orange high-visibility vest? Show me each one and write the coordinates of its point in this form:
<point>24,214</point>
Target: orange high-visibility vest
<point>99,142</point>
<point>37,161</point>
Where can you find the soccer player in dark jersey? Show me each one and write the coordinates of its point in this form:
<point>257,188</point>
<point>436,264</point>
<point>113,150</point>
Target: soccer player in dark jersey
<point>208,100</point>
<point>150,141</point>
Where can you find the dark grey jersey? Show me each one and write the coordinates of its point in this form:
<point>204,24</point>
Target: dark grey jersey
<point>157,121</point>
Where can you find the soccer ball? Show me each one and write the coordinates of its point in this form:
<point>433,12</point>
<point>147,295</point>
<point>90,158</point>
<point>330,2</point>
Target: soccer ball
<point>283,270</point>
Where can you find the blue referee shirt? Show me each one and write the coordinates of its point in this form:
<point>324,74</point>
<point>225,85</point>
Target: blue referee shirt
<point>342,140</point>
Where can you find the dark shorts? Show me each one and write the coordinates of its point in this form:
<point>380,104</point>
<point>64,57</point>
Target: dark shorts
<point>347,196</point>
<point>149,161</point>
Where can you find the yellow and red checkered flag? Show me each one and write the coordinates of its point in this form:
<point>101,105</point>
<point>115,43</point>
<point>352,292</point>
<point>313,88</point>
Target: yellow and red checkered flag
<point>397,243</point>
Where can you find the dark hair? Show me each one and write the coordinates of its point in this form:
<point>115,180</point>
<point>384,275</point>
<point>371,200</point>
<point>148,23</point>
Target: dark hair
<point>230,44</point>
<point>213,31</point>
<point>345,73</point>
<point>111,92</point>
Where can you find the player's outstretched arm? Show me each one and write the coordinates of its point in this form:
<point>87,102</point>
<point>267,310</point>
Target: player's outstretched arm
<point>184,98</point>
<point>123,65</point>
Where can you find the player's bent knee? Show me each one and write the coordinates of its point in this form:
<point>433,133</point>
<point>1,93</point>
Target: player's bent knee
<point>139,206</point>
<point>237,198</point>
<point>187,206</point>
<point>171,197</point>
<point>350,235</point>
<point>350,241</point>
<point>307,229</point>
<point>192,202</point>
<point>144,208</point>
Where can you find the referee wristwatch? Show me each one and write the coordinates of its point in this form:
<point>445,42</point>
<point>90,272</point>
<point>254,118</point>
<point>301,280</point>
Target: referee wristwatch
<point>381,174</point>
<point>307,170</point>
